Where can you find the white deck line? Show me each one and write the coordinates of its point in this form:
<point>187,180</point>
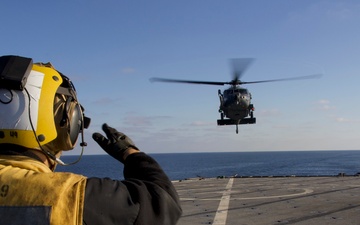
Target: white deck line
<point>222,211</point>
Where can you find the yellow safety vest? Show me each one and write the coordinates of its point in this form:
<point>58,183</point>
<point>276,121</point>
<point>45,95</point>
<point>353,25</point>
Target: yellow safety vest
<point>30,193</point>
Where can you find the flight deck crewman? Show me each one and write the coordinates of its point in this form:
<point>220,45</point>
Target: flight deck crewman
<point>40,117</point>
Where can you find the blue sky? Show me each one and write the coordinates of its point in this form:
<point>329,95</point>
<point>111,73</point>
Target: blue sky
<point>110,49</point>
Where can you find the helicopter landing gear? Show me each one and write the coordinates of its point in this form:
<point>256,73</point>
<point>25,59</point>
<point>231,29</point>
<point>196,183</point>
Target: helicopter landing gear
<point>252,109</point>
<point>223,122</point>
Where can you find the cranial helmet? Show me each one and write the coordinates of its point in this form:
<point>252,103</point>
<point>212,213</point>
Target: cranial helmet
<point>38,106</point>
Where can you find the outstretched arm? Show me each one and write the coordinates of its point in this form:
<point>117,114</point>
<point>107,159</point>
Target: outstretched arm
<point>146,196</point>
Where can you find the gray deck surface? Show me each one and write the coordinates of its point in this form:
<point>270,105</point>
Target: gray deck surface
<point>285,200</point>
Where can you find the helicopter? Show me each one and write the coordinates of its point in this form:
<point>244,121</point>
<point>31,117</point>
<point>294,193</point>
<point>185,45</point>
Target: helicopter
<point>235,102</point>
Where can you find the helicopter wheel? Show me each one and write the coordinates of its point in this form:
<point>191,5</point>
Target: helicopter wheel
<point>237,129</point>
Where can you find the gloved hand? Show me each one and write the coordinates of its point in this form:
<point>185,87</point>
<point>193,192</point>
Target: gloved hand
<point>115,144</point>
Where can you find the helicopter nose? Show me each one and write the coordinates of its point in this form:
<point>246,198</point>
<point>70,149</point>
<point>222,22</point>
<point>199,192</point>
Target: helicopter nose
<point>241,97</point>
<point>243,101</point>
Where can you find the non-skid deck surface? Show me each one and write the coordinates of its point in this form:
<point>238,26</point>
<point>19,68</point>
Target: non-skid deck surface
<point>286,200</point>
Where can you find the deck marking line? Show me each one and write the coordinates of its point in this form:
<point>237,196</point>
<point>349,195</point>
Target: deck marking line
<point>305,192</point>
<point>221,213</point>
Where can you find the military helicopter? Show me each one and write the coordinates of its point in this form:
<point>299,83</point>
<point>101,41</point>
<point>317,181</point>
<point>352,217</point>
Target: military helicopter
<point>235,102</point>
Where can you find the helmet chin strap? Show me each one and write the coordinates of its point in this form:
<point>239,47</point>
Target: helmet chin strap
<point>49,154</point>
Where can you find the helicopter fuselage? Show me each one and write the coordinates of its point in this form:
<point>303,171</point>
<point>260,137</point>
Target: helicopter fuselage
<point>235,103</point>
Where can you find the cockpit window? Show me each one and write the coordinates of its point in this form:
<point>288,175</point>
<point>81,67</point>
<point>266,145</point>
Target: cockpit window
<point>241,91</point>
<point>244,91</point>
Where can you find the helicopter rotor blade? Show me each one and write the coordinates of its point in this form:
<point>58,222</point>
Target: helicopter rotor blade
<point>314,76</point>
<point>239,66</point>
<point>157,79</point>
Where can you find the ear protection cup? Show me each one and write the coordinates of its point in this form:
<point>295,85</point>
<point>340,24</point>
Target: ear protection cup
<point>68,117</point>
<point>74,119</point>
<point>70,124</point>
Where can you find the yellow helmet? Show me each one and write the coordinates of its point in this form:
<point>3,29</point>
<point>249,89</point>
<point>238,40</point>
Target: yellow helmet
<point>38,106</point>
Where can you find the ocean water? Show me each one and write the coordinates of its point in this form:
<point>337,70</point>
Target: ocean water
<point>179,166</point>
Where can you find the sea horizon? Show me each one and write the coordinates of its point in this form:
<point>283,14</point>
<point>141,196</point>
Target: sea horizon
<point>179,166</point>
<point>247,151</point>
